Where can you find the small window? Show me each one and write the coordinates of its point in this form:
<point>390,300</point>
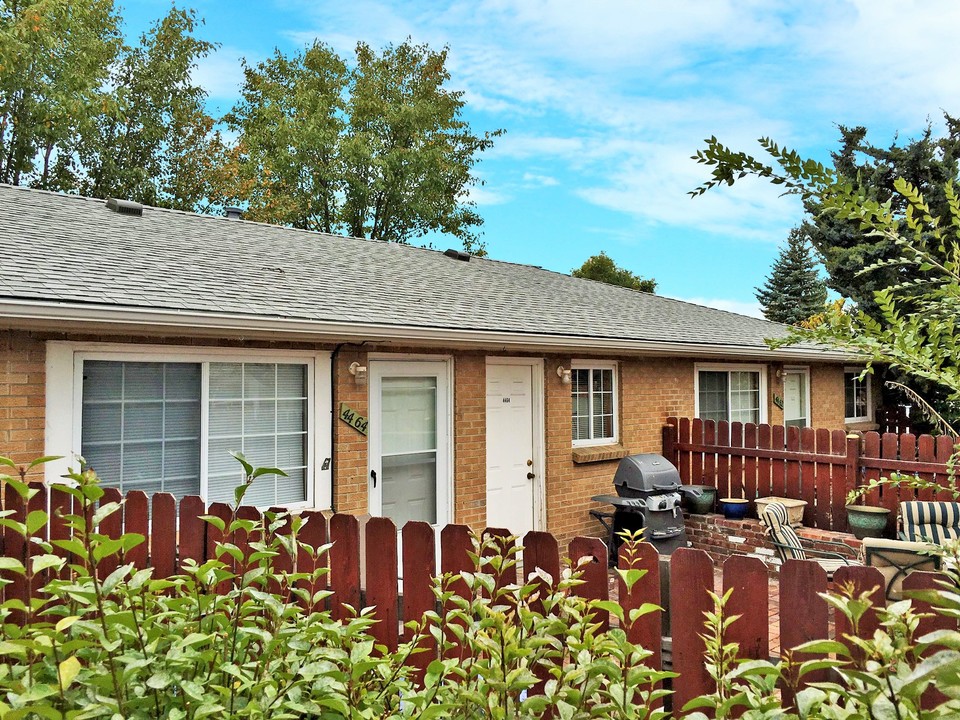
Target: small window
<point>594,393</point>
<point>856,396</point>
<point>733,394</point>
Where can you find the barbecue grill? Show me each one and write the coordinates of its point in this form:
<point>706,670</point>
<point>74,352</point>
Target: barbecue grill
<point>648,496</point>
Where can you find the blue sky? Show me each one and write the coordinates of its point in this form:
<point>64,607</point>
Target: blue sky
<point>605,101</point>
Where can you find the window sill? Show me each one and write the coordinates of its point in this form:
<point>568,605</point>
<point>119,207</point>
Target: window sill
<point>598,453</point>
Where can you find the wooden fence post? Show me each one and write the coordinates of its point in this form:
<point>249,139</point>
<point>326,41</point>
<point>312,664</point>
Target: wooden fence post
<point>851,476</point>
<point>669,442</point>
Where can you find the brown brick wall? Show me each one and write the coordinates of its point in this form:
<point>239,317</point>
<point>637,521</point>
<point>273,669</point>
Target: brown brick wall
<point>22,396</point>
<point>651,389</point>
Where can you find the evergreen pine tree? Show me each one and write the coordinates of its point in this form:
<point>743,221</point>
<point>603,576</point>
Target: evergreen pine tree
<point>794,290</point>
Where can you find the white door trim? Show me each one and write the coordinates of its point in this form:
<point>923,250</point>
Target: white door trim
<point>400,365</point>
<point>536,366</point>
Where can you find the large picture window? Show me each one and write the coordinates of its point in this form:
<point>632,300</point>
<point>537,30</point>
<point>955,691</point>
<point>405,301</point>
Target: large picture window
<point>594,391</point>
<point>170,426</point>
<point>856,396</point>
<point>734,394</point>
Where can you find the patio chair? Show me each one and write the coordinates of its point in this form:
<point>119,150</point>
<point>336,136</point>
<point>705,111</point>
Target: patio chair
<point>934,522</point>
<point>895,559</point>
<point>790,546</point>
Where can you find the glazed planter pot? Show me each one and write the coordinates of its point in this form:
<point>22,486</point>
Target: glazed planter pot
<point>867,520</point>
<point>733,508</point>
<point>703,504</point>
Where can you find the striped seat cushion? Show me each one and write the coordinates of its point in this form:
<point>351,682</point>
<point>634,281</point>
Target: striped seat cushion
<point>777,522</point>
<point>934,522</point>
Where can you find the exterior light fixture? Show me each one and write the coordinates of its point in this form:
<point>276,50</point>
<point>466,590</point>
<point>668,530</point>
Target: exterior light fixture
<point>564,374</point>
<point>359,372</point>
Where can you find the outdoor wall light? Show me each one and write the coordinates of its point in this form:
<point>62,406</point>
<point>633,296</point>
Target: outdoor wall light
<point>359,372</point>
<point>564,374</point>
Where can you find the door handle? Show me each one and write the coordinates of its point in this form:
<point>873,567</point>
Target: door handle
<point>373,474</point>
<point>530,476</point>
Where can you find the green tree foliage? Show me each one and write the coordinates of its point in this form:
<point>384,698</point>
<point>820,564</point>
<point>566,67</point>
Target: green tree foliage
<point>919,314</point>
<point>927,163</point>
<point>794,290</point>
<point>602,268</point>
<point>55,58</point>
<point>374,149</point>
<point>83,112</point>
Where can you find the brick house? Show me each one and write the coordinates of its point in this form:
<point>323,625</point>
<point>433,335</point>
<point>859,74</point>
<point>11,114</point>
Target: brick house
<point>382,378</point>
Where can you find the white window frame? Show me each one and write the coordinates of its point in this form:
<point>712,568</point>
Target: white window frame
<point>64,406</point>
<point>805,371</point>
<point>728,368</point>
<point>600,365</point>
<point>869,385</point>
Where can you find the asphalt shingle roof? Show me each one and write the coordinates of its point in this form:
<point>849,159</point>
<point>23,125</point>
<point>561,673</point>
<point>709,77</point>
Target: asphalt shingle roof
<point>72,249</point>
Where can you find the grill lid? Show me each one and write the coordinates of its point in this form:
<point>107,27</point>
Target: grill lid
<point>644,474</point>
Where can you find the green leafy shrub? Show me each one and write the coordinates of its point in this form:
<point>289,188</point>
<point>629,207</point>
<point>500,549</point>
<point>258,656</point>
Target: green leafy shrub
<point>235,637</point>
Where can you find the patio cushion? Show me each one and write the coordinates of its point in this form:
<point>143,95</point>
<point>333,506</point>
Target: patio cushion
<point>934,522</point>
<point>777,521</point>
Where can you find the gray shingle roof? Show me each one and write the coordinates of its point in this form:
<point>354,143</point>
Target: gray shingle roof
<point>74,250</point>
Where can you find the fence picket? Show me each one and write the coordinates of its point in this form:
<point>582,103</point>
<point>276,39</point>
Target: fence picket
<point>645,631</point>
<point>808,444</point>
<point>502,543</point>
<point>61,505</point>
<point>764,440</point>
<point>136,520</point>
<point>890,496</point>
<point>709,458</point>
<point>589,555</point>
<point>696,458</point>
<point>344,565</point>
<point>778,485</point>
<point>801,582</point>
<point>691,579</point>
<point>838,482</point>
<point>926,453</point>
<point>683,456</point>
<point>749,488</point>
<point>793,468</point>
<point>163,535</point>
<point>540,550</point>
<point>747,578</point>
<point>14,546</point>
<point>860,579</point>
<point>822,513</point>
<point>723,458</point>
<point>193,530</point>
<point>112,527</point>
<point>944,452</point>
<point>382,579</point>
<point>313,534</point>
<point>732,486</point>
<point>930,621</point>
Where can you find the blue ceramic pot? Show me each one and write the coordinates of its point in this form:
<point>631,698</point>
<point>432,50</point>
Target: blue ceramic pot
<point>733,508</point>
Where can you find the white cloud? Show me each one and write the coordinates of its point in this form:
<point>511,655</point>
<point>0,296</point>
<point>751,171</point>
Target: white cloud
<point>221,73</point>
<point>537,180</point>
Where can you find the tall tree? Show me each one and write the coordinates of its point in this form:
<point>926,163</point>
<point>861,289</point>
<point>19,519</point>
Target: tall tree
<point>378,149</point>
<point>603,269</point>
<point>55,59</point>
<point>927,163</point>
<point>147,143</point>
<point>794,290</point>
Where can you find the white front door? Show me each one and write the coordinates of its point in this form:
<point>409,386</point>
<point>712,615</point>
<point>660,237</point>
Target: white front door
<point>409,434</point>
<point>796,398</point>
<point>514,468</point>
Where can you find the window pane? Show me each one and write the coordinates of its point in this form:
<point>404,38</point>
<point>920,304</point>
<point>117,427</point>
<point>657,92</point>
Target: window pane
<point>408,414</point>
<point>268,431</point>
<point>592,400</point>
<point>713,395</point>
<point>140,426</point>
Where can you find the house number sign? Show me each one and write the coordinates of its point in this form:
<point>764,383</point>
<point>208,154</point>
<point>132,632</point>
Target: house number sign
<point>356,421</point>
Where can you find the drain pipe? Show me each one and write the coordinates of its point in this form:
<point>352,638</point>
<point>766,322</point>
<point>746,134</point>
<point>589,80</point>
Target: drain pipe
<point>333,426</point>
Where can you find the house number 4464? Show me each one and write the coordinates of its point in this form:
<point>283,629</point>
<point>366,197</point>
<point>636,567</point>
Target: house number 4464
<point>353,419</point>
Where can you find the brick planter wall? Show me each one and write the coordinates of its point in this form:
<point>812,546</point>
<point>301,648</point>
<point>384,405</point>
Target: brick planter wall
<point>721,538</point>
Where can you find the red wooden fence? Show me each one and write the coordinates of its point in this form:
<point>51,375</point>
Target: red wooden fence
<point>400,600</point>
<point>818,466</point>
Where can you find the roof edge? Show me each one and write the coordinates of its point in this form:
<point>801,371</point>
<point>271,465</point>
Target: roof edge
<point>60,314</point>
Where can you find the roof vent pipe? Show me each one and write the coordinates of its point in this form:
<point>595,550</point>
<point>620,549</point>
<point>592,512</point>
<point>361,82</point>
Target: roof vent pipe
<point>124,207</point>
<point>233,212</point>
<point>457,255</point>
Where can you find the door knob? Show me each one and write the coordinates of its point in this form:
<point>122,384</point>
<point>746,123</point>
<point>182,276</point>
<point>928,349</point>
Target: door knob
<point>530,476</point>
